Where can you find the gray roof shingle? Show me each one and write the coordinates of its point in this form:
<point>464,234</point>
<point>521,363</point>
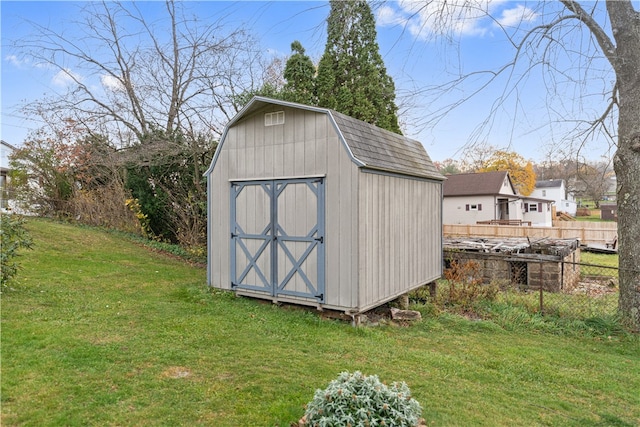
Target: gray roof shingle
<point>381,149</point>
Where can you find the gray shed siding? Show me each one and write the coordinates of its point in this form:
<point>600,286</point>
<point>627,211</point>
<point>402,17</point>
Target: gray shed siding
<point>307,144</point>
<point>400,235</point>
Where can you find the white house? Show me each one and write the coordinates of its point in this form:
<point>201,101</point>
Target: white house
<point>556,190</point>
<point>491,197</point>
<point>5,151</point>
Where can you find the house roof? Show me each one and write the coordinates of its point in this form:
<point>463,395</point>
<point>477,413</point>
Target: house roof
<point>476,184</point>
<point>549,183</point>
<point>368,146</point>
<point>6,144</point>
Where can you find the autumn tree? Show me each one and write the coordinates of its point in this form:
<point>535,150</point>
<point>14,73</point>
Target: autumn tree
<point>520,170</point>
<point>41,175</point>
<point>61,171</point>
<point>352,78</point>
<point>572,43</point>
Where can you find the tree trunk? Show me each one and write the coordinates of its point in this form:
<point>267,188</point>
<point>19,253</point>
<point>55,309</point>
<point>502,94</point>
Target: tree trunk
<point>625,24</point>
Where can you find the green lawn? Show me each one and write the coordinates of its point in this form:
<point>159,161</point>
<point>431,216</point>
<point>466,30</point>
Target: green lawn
<point>98,330</point>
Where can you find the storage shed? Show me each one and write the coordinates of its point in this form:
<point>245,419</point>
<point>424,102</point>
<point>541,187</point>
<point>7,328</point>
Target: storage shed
<point>312,207</point>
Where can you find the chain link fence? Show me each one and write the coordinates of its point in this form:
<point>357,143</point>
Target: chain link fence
<point>563,288</point>
<point>586,290</point>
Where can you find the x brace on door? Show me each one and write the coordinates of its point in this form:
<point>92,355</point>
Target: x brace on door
<point>272,266</point>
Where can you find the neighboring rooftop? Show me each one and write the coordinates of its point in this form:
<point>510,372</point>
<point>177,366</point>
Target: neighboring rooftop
<point>466,184</point>
<point>549,183</point>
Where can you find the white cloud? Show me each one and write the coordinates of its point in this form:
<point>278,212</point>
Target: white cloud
<point>451,17</point>
<point>65,77</point>
<point>514,16</point>
<point>24,63</point>
<point>111,83</point>
<point>387,16</point>
<point>14,60</point>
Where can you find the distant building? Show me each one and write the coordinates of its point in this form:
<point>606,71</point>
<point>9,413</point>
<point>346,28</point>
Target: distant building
<point>555,189</point>
<point>6,150</point>
<point>609,211</point>
<point>491,197</point>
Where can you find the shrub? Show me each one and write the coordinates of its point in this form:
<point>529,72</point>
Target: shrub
<point>359,400</point>
<point>466,285</point>
<point>13,236</point>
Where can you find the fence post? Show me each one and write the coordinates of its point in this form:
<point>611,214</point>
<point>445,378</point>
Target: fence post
<point>541,291</point>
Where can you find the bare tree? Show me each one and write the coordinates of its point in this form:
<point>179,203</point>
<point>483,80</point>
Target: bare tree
<point>582,46</point>
<point>159,89</point>
<point>139,76</point>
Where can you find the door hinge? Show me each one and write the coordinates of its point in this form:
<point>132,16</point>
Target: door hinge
<point>319,239</point>
<point>320,297</point>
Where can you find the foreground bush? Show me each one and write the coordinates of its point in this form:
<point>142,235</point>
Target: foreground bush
<point>13,237</point>
<point>358,400</point>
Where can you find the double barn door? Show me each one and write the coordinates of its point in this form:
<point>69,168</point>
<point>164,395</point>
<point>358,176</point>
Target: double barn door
<point>277,237</point>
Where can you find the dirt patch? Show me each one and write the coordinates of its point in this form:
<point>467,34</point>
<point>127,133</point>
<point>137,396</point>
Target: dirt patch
<point>176,372</point>
<point>595,287</point>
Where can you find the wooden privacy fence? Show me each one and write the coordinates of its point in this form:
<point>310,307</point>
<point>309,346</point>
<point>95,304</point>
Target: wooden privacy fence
<point>587,232</point>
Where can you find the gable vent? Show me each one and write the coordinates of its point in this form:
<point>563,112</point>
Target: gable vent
<point>272,119</point>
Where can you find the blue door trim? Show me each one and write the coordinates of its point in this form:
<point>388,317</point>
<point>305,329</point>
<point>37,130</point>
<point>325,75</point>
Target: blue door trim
<point>275,238</point>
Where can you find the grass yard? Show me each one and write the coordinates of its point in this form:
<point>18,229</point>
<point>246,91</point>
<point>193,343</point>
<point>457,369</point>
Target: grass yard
<point>98,330</point>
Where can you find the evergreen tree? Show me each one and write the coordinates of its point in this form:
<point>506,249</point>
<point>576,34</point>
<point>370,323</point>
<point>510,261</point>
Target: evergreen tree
<point>352,78</point>
<point>299,74</point>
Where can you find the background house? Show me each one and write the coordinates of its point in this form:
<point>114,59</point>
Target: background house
<point>473,198</point>
<point>307,205</point>
<point>6,150</point>
<point>556,190</point>
<point>537,211</point>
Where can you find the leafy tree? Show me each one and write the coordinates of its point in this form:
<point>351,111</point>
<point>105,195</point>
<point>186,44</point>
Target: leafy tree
<point>165,175</point>
<point>520,170</point>
<point>352,78</point>
<point>300,76</point>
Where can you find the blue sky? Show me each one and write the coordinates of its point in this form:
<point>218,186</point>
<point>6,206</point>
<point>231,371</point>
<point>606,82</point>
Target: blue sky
<point>415,54</point>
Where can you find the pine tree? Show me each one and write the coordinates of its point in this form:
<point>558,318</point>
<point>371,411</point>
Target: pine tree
<point>300,75</point>
<point>352,78</point>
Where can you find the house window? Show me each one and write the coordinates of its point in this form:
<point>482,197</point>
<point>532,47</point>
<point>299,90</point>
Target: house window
<point>533,207</point>
<point>272,119</point>
<point>474,207</point>
<point>544,193</point>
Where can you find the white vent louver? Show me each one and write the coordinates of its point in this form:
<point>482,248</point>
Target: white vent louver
<point>275,118</point>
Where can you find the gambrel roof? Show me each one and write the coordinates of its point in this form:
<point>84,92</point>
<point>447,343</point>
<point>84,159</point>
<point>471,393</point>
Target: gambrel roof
<point>368,146</point>
<point>478,184</point>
